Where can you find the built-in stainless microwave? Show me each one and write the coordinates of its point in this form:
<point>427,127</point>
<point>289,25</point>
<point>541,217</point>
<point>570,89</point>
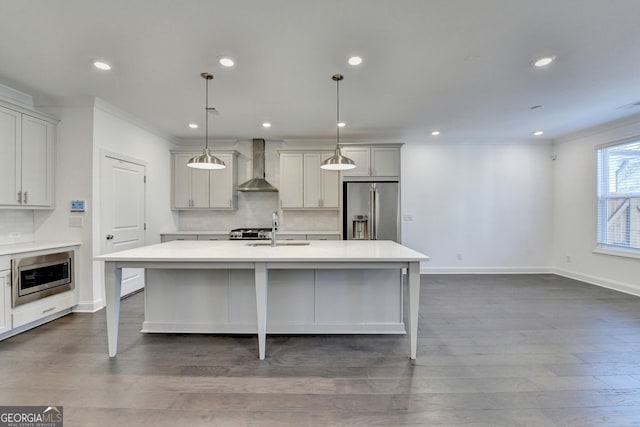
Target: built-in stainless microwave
<point>41,276</point>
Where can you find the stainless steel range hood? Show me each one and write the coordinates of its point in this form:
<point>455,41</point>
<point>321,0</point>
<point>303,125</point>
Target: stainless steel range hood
<point>257,183</point>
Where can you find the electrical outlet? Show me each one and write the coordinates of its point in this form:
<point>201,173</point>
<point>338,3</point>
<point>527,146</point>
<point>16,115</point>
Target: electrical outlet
<point>15,234</point>
<point>459,256</point>
<point>407,217</point>
<point>568,258</point>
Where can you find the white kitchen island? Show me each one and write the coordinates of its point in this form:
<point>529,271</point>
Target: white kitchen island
<point>233,287</point>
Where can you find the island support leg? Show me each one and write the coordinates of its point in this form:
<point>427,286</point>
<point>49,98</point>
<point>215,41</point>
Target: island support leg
<point>261,305</point>
<point>112,286</point>
<point>413,275</point>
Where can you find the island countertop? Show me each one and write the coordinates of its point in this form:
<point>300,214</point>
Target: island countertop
<point>239,251</point>
<point>188,255</point>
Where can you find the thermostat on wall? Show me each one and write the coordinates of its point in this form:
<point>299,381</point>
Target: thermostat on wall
<point>77,206</point>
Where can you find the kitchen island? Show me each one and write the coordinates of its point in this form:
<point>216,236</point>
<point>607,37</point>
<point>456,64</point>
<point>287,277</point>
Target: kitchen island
<point>214,287</point>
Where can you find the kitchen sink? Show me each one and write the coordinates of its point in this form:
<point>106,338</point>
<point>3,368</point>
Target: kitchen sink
<point>280,244</point>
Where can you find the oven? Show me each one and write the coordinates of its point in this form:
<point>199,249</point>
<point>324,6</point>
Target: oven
<point>41,276</point>
<point>254,233</point>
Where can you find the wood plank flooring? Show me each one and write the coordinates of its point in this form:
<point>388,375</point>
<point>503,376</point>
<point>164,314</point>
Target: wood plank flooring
<point>493,350</point>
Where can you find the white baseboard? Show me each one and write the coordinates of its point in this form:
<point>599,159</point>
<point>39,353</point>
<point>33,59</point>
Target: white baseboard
<point>89,306</point>
<point>627,288</point>
<point>486,270</point>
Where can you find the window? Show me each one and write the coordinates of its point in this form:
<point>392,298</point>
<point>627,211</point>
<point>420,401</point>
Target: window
<point>619,196</point>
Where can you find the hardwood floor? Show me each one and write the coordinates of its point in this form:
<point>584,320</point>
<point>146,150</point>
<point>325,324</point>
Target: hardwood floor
<point>503,350</point>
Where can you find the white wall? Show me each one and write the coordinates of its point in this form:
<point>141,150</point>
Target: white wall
<point>575,209</point>
<point>491,203</point>
<point>117,133</point>
<point>74,147</point>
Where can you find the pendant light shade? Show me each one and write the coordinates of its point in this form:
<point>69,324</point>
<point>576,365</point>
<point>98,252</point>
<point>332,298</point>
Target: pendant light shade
<point>206,160</point>
<point>338,162</point>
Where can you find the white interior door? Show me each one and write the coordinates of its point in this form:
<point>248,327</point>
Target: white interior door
<point>122,213</point>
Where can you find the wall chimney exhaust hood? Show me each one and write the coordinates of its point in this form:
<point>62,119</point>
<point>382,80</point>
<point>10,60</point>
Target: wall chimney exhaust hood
<point>257,183</point>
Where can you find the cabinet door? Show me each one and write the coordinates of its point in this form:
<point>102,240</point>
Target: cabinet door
<point>360,155</point>
<point>312,181</point>
<point>10,129</point>
<point>199,188</point>
<point>37,161</point>
<point>221,184</point>
<point>181,181</point>
<point>5,301</point>
<point>213,237</point>
<point>385,161</point>
<point>172,237</point>
<point>291,180</point>
<point>330,182</point>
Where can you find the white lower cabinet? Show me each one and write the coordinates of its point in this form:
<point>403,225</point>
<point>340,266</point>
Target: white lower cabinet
<point>213,236</point>
<point>40,309</point>
<point>172,237</point>
<point>5,300</point>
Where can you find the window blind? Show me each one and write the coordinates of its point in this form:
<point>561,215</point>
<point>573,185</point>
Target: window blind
<point>619,195</point>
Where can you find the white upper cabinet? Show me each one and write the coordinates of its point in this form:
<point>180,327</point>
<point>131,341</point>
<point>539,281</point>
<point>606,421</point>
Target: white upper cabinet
<point>222,184</point>
<point>27,145</point>
<point>291,180</point>
<point>304,185</point>
<point>373,161</point>
<point>202,188</point>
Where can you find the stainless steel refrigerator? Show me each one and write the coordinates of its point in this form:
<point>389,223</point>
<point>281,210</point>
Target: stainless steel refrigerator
<point>371,211</point>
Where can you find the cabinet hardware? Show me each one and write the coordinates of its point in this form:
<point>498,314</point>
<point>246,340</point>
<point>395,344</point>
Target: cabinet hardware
<point>48,310</point>
<point>109,236</point>
<point>20,197</point>
<point>25,198</point>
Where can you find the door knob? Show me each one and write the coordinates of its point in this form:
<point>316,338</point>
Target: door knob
<point>109,236</point>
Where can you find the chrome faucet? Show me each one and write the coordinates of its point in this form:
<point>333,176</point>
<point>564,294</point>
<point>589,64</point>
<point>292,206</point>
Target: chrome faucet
<point>274,228</point>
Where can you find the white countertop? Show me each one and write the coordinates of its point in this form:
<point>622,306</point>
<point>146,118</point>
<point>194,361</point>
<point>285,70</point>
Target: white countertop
<point>18,248</point>
<point>195,232</point>
<point>239,251</point>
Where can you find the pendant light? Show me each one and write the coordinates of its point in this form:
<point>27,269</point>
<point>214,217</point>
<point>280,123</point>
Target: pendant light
<point>206,160</point>
<point>338,162</point>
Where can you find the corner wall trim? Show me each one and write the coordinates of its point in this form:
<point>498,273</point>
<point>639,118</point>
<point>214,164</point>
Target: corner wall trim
<point>487,270</point>
<point>627,288</point>
<point>89,306</point>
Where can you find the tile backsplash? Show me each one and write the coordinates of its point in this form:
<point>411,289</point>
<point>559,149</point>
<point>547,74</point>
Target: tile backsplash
<point>16,226</point>
<point>254,210</point>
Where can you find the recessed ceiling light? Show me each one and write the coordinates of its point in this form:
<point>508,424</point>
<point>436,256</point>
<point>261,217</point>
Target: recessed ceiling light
<point>193,126</point>
<point>538,133</point>
<point>435,133</point>
<point>355,60</point>
<point>226,61</point>
<point>101,65</point>
<point>544,61</point>
<point>341,124</point>
<point>266,125</point>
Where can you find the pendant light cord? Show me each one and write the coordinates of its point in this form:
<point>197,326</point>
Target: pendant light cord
<point>337,113</point>
<point>206,115</point>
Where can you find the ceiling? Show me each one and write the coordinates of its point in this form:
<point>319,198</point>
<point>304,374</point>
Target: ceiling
<point>463,67</point>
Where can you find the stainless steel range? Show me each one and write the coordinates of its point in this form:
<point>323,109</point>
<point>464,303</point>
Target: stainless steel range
<point>255,233</point>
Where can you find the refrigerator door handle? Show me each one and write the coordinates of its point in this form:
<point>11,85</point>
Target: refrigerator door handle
<point>371,213</point>
<point>376,213</point>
